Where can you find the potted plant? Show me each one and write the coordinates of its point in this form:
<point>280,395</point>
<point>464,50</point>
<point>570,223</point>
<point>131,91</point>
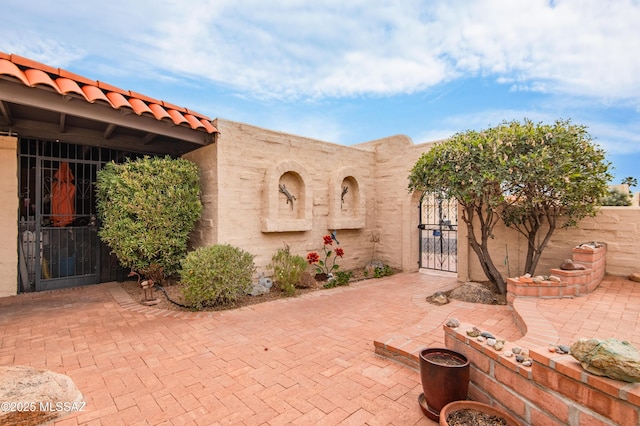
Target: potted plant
<point>473,412</point>
<point>445,378</point>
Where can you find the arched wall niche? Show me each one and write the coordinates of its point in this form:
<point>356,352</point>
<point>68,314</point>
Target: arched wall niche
<point>346,200</point>
<point>287,203</point>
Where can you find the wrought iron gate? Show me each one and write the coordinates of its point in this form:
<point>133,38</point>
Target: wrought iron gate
<point>438,233</point>
<point>58,242</point>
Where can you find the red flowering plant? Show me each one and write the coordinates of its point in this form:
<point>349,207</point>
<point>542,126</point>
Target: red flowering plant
<point>327,265</point>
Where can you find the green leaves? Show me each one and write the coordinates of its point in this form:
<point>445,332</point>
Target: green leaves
<point>147,208</point>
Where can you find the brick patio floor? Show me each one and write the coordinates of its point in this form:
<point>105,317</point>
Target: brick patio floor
<point>305,360</point>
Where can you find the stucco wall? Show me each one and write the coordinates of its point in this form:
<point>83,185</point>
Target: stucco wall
<point>8,215</point>
<point>248,210</point>
<point>618,227</point>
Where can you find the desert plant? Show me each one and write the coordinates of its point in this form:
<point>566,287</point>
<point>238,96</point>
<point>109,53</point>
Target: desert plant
<point>382,272</point>
<point>216,275</point>
<point>342,278</point>
<point>616,198</point>
<point>147,208</point>
<point>287,269</point>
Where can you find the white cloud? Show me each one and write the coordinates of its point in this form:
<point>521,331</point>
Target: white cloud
<point>330,48</point>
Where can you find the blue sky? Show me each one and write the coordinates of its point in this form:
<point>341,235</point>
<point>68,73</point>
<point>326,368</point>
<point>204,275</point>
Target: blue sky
<point>353,71</point>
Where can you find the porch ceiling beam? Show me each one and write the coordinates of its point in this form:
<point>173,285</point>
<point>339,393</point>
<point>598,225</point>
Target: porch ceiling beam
<point>5,112</point>
<point>49,100</point>
<point>109,131</point>
<point>82,136</point>
<point>63,118</point>
<point>149,138</point>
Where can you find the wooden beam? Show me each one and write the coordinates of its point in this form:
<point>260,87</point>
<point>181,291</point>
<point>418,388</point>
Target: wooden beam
<point>5,112</point>
<point>63,118</point>
<point>81,136</point>
<point>109,131</point>
<point>148,138</point>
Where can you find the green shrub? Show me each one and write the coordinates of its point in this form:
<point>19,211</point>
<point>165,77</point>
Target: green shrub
<point>616,198</point>
<point>216,275</point>
<point>147,208</point>
<point>340,278</point>
<point>287,269</point>
<point>382,272</point>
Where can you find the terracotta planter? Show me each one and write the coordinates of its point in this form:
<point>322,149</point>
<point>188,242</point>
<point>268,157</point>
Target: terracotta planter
<point>476,406</point>
<point>445,378</point>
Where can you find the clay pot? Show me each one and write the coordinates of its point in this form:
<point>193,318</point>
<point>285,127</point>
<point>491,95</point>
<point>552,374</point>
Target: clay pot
<point>445,378</point>
<point>476,406</point>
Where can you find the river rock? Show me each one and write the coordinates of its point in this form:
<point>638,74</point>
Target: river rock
<point>439,298</point>
<point>453,323</point>
<point>611,358</point>
<point>568,265</point>
<point>635,277</point>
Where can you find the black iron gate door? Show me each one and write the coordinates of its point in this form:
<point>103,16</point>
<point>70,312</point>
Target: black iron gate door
<point>58,243</point>
<point>438,233</point>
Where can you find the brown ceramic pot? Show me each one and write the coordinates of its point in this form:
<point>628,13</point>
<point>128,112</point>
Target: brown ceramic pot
<point>445,378</point>
<point>476,406</point>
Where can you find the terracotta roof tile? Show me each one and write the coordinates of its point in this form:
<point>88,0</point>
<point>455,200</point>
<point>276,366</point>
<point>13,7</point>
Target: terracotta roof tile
<point>67,85</point>
<point>32,74</point>
<point>36,77</point>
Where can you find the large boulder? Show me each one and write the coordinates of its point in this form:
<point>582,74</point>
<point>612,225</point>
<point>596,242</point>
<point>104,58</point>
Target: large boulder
<point>610,358</point>
<point>474,293</point>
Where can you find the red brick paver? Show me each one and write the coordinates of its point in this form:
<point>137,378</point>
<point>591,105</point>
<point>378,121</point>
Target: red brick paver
<point>306,360</point>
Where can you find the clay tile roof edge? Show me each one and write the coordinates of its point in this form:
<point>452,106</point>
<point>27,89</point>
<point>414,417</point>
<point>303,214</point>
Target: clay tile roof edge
<point>9,68</point>
<point>30,63</point>
<point>109,88</point>
<point>78,78</point>
<point>36,76</point>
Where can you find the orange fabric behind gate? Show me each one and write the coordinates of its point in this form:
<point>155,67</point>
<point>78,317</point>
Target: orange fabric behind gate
<point>63,196</point>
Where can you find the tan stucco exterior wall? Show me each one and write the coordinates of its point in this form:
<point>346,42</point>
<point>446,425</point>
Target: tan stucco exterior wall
<point>243,206</point>
<point>8,215</point>
<point>618,227</point>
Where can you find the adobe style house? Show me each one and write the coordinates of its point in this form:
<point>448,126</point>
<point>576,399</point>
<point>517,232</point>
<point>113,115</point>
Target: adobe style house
<point>261,189</point>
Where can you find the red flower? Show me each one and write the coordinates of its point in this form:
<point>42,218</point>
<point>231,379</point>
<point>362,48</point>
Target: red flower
<point>339,252</point>
<point>313,258</point>
<point>327,240</point>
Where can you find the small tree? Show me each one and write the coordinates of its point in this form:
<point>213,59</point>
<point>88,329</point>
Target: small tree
<point>554,177</point>
<point>534,177</point>
<point>147,208</point>
<point>467,168</point>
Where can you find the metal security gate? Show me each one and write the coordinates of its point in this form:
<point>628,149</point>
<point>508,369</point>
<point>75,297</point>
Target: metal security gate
<point>438,233</point>
<point>58,242</point>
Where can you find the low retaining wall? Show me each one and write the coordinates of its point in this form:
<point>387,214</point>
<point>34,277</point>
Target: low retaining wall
<point>566,283</point>
<point>555,390</point>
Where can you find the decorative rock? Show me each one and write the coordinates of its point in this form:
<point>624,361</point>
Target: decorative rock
<point>563,349</point>
<point>568,265</point>
<point>527,362</point>
<point>499,345</point>
<point>307,281</point>
<point>439,298</point>
<point>473,292</point>
<point>611,358</point>
<point>491,341</point>
<point>453,323</point>
<point>508,354</point>
<point>538,279</point>
<point>635,277</point>
<point>474,332</point>
<point>555,278</point>
<point>263,286</point>
<point>487,335</point>
<point>516,350</point>
<point>480,338</point>
<point>519,358</point>
<point>552,348</point>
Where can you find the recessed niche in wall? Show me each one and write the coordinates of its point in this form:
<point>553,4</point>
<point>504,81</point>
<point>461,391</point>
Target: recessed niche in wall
<point>346,201</point>
<point>287,201</point>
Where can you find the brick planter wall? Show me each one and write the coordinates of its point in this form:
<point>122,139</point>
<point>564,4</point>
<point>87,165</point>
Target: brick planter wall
<point>555,390</point>
<point>571,284</point>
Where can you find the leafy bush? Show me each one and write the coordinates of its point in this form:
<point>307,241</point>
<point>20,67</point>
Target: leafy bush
<point>382,272</point>
<point>287,269</point>
<point>216,275</point>
<point>616,198</point>
<point>340,278</point>
<point>147,208</point>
